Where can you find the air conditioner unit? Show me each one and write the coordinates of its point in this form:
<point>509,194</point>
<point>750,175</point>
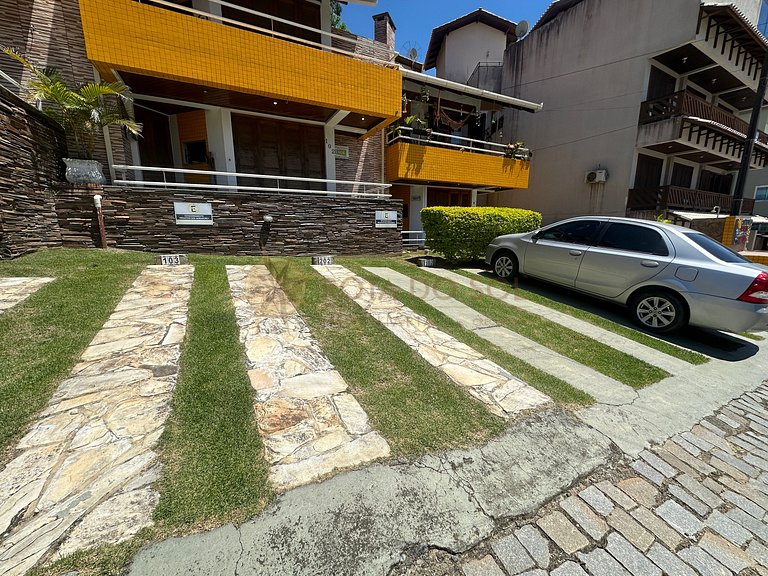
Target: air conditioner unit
<point>595,176</point>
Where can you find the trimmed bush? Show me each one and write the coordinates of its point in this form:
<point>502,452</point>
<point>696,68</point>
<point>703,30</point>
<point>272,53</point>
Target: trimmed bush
<point>464,233</point>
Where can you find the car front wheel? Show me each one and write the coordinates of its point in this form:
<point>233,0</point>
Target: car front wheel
<point>504,265</point>
<point>659,311</point>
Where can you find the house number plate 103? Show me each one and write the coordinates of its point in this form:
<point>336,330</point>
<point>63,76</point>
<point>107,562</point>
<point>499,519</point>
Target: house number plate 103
<point>172,259</point>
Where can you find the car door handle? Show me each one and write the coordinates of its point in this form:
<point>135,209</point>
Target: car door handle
<point>575,252</point>
<point>650,263</point>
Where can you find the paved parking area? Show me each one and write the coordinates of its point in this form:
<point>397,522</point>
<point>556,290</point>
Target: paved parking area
<point>695,505</point>
<point>310,423</point>
<point>83,474</point>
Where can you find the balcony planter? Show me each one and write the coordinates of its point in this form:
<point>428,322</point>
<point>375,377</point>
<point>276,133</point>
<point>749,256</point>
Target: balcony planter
<point>81,171</point>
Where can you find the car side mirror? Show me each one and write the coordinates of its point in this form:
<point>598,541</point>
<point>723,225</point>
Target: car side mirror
<point>536,236</point>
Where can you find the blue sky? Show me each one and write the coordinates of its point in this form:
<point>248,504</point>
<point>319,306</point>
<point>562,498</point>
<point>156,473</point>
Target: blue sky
<point>415,19</point>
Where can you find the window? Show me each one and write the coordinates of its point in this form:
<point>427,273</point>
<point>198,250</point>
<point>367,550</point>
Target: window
<point>634,239</point>
<point>715,248</point>
<point>195,152</point>
<point>761,193</point>
<point>762,20</point>
<point>578,232</point>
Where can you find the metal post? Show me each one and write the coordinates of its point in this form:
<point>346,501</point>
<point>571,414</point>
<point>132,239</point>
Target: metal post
<point>749,141</point>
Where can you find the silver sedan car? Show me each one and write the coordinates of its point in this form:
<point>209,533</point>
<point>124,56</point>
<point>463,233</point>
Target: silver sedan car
<point>668,276</point>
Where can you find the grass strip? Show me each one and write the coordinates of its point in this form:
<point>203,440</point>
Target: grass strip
<point>571,344</point>
<point>214,468</point>
<point>44,336</point>
<point>414,406</point>
<point>557,389</point>
<point>633,334</point>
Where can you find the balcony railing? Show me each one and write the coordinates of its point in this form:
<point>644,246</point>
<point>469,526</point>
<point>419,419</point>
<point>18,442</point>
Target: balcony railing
<point>431,138</point>
<point>229,182</point>
<point>303,34</point>
<point>684,103</point>
<point>679,198</point>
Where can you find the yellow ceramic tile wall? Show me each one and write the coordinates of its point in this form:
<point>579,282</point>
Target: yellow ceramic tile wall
<point>127,35</point>
<point>416,163</point>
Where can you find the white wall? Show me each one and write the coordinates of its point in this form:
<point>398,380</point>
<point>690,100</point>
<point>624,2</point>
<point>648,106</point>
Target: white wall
<point>750,8</point>
<point>463,48</point>
<point>590,69</point>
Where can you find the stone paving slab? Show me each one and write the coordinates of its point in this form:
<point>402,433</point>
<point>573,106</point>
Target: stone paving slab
<point>83,474</point>
<point>310,424</point>
<point>617,341</point>
<point>17,289</point>
<point>603,388</point>
<point>502,393</point>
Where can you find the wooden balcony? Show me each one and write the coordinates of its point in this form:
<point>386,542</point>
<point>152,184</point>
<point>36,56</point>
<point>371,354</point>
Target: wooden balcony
<point>684,103</point>
<point>677,198</point>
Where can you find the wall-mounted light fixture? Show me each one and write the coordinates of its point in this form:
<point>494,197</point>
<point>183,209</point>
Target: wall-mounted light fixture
<point>268,219</point>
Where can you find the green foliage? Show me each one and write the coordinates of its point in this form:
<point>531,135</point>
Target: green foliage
<point>82,112</point>
<point>336,15</point>
<point>464,233</point>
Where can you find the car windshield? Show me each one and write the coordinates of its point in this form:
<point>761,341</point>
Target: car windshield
<point>715,248</point>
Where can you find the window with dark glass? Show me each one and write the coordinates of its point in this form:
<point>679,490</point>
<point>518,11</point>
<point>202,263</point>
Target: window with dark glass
<point>195,152</point>
<point>634,239</point>
<point>578,232</point>
<point>715,248</point>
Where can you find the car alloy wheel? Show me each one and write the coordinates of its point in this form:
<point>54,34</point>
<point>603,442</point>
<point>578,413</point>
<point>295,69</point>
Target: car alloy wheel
<point>505,265</point>
<point>659,312</point>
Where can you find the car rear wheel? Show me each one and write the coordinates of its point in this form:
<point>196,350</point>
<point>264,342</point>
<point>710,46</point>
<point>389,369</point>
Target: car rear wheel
<point>504,265</point>
<point>659,311</point>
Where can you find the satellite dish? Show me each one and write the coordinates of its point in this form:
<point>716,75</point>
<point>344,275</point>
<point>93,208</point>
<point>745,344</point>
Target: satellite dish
<point>522,28</point>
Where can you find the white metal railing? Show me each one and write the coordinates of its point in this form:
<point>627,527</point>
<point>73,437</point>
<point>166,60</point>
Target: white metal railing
<point>10,80</point>
<point>414,237</point>
<point>472,145</point>
<point>359,189</point>
<point>389,53</point>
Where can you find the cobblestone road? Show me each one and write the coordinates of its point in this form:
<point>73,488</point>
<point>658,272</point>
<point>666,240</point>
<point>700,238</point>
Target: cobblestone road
<point>695,505</point>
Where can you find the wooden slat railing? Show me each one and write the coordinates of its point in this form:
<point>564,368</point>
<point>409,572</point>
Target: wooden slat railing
<point>679,198</point>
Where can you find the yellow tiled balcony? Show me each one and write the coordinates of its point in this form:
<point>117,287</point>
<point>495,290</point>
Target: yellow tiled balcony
<point>125,35</point>
<point>409,162</point>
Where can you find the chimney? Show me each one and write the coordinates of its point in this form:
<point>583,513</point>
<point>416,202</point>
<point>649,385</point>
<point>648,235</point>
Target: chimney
<point>384,29</point>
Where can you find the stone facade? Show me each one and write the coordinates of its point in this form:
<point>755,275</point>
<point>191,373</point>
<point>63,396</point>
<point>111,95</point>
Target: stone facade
<point>50,33</point>
<point>365,162</point>
<point>302,225</point>
<point>31,147</point>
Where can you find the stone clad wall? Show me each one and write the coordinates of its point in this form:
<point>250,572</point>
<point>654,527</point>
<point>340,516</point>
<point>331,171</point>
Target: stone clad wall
<point>31,146</point>
<point>302,225</point>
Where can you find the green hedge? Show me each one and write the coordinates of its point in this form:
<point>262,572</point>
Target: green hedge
<point>464,233</point>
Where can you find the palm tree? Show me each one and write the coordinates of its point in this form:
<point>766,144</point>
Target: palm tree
<point>82,112</point>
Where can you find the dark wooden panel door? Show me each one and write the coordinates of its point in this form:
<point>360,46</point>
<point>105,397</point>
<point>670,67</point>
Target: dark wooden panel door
<point>278,148</point>
<point>682,175</point>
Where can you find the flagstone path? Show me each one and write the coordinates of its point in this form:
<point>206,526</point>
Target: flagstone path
<point>502,393</point>
<point>15,290</point>
<point>310,424</point>
<point>83,474</point>
<point>645,353</point>
<point>602,388</point>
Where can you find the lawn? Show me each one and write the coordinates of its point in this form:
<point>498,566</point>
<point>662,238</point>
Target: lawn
<point>44,336</point>
<point>601,357</point>
<point>636,335</point>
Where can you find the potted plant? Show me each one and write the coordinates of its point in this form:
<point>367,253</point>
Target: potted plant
<point>83,113</point>
<point>517,150</point>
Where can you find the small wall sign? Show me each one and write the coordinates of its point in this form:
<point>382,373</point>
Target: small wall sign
<point>172,259</point>
<point>193,213</point>
<point>386,219</point>
<point>341,152</point>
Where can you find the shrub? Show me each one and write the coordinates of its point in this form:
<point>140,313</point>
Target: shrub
<point>464,233</point>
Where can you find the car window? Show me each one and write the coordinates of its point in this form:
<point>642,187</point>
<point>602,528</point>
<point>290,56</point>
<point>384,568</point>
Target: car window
<point>577,232</point>
<point>634,238</point>
<point>714,247</point>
